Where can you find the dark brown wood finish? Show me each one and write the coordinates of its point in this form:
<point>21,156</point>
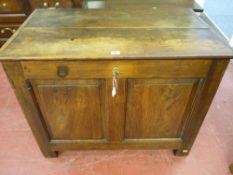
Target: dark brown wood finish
<point>156,107</point>
<point>11,6</point>
<point>62,65</point>
<point>116,109</point>
<point>51,3</point>
<point>80,115</point>
<point>2,41</point>
<point>29,105</point>
<point>202,105</point>
<point>231,168</point>
<point>7,30</point>
<point>128,68</point>
<point>14,12</point>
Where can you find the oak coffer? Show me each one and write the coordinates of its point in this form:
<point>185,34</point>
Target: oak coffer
<point>111,78</point>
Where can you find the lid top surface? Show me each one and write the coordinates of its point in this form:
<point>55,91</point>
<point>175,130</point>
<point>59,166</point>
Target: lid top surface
<point>150,32</point>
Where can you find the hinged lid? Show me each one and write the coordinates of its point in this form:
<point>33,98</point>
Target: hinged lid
<point>135,2</point>
<point>119,4</point>
<point>157,33</point>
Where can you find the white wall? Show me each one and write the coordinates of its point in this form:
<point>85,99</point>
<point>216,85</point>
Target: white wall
<point>200,2</point>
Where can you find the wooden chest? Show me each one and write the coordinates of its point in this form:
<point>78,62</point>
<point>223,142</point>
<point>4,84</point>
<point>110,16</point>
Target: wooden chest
<point>114,79</point>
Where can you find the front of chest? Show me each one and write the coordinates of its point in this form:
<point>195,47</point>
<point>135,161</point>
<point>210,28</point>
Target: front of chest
<point>102,86</point>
